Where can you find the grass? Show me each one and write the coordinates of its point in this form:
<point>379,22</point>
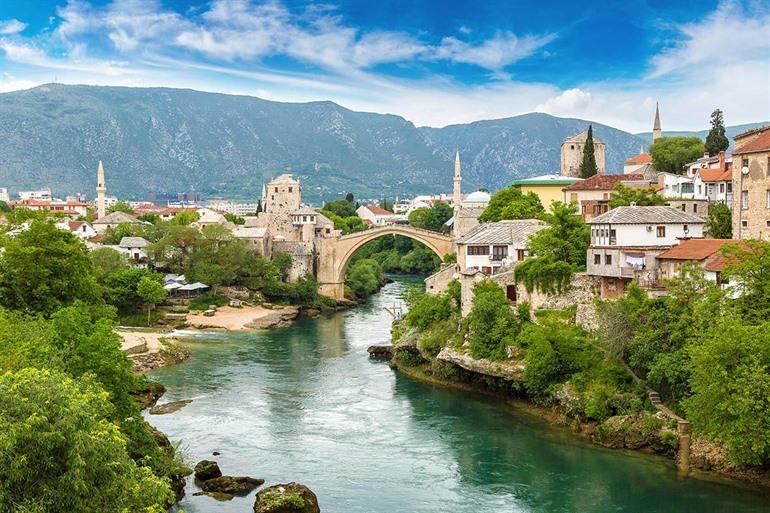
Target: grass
<point>139,319</point>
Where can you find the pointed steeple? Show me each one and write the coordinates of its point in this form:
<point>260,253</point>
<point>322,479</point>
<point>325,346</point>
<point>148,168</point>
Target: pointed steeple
<point>656,130</point>
<point>457,165</point>
<point>457,183</point>
<point>101,191</point>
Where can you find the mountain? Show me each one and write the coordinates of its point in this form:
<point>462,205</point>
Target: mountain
<point>730,132</point>
<point>172,140</point>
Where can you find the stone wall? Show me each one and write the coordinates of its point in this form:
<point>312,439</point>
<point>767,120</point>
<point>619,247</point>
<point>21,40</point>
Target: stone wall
<point>583,289</point>
<point>437,282</point>
<point>301,257</point>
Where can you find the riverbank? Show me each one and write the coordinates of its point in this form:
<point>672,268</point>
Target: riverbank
<point>244,318</point>
<point>150,349</point>
<point>635,433</point>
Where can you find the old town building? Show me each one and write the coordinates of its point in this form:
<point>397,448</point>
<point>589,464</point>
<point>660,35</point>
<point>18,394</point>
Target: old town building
<point>751,184</point>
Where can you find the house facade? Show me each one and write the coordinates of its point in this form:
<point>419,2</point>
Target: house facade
<point>376,215</point>
<point>626,241</point>
<point>548,188</point>
<point>707,253</point>
<point>489,247</point>
<point>593,194</point>
<point>751,184</point>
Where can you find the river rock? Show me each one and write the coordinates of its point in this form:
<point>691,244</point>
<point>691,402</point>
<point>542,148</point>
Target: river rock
<point>163,409</point>
<point>216,495</point>
<point>509,370</point>
<point>207,469</point>
<point>234,485</point>
<point>276,319</point>
<point>286,498</point>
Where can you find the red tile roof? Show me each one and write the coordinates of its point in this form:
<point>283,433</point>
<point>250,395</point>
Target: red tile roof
<point>759,143</point>
<point>378,211</point>
<point>715,174</point>
<point>603,182</point>
<point>642,158</point>
<point>696,249</point>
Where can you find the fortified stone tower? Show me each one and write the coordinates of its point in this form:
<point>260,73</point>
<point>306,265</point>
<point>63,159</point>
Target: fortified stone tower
<point>101,191</point>
<point>572,154</point>
<point>282,195</point>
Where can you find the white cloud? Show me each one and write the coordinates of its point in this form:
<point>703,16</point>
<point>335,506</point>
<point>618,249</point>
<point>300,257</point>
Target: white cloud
<point>504,49</point>
<point>572,102</point>
<point>12,26</point>
<point>727,35</point>
<point>8,84</point>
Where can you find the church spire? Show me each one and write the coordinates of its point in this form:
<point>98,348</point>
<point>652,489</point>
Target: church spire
<point>656,131</point>
<point>101,191</point>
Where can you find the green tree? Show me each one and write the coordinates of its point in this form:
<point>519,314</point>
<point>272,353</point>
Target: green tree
<point>670,154</point>
<point>364,277</point>
<point>107,261</point>
<point>749,265</point>
<point>175,247</point>
<point>431,218</point>
<point>565,237</point>
<point>152,292</point>
<point>234,218</point>
<point>492,325</point>
<point>623,196</point>
<point>720,222</point>
<point>341,208</point>
<point>511,203</point>
<point>588,166</point>
<point>150,217</point>
<point>121,288</point>
<point>283,261</point>
<point>731,388</point>
<point>44,269</point>
<point>4,207</point>
<point>350,224</point>
<point>716,140</point>
<point>350,198</point>
<point>114,234</point>
<point>60,452</point>
<point>121,206</point>
<point>185,218</point>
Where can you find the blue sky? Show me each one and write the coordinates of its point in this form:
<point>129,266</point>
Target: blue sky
<point>433,62</point>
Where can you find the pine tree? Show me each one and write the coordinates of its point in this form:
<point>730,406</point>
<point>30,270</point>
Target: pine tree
<point>716,140</point>
<point>588,166</point>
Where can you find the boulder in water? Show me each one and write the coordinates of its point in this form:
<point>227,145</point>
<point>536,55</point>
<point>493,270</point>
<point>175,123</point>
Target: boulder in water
<point>216,495</point>
<point>163,409</point>
<point>286,498</point>
<point>234,485</point>
<point>206,470</point>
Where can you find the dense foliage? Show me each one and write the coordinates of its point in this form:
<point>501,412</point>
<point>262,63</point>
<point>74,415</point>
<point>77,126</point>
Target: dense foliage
<point>716,140</point>
<point>588,166</point>
<point>670,154</point>
<point>491,323</point>
<point>720,222</point>
<point>511,203</point>
<point>432,218</point>
<point>624,196</point>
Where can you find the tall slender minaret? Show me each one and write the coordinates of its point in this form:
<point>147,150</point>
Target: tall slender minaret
<point>656,132</point>
<point>101,190</point>
<point>458,180</point>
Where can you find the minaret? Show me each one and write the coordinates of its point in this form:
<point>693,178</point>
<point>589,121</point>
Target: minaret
<point>656,132</point>
<point>101,190</point>
<point>458,180</point>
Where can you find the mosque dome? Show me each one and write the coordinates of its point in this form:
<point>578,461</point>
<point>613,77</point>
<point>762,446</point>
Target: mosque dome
<point>477,197</point>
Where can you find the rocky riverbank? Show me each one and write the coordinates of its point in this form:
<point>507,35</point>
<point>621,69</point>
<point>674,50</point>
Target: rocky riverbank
<point>152,349</point>
<point>652,433</point>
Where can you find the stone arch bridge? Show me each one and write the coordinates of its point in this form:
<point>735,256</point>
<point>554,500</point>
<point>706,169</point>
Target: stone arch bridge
<point>334,253</point>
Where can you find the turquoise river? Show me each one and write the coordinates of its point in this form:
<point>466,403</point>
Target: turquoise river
<point>306,404</point>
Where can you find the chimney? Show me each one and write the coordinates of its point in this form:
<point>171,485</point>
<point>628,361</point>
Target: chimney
<point>722,160</point>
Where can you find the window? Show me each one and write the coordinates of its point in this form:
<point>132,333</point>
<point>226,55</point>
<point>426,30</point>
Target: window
<point>478,250</point>
<point>767,223</point>
<point>276,189</point>
<point>729,186</point>
<point>721,188</point>
<point>573,197</point>
<point>290,189</point>
<point>499,252</point>
<point>744,224</point>
<point>695,208</point>
<point>768,199</point>
<point>613,238</point>
<point>521,254</point>
<point>744,200</point>
<point>745,163</point>
<point>572,147</point>
<point>607,259</point>
<point>597,259</point>
<point>661,232</point>
<point>510,293</point>
<point>687,188</point>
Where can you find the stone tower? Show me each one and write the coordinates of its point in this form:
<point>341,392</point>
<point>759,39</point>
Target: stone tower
<point>656,131</point>
<point>572,154</point>
<point>281,195</point>
<point>101,191</point>
<point>457,182</point>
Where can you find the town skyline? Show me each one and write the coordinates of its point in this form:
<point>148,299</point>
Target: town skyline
<point>608,64</point>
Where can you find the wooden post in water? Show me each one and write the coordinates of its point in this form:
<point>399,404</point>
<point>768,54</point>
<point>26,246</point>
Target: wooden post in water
<point>684,430</point>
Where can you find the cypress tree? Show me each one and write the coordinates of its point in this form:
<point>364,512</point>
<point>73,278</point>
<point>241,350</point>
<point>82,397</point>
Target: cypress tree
<point>588,166</point>
<point>716,140</point>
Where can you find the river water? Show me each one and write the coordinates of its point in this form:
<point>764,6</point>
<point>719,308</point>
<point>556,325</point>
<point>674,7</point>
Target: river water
<point>306,404</point>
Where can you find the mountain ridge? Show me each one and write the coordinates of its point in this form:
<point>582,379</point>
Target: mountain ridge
<point>170,140</point>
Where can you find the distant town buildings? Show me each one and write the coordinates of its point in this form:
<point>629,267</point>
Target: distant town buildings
<point>377,216</point>
<point>37,195</point>
<point>592,195</point>
<point>548,188</point>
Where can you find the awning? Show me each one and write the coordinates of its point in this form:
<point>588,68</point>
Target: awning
<point>194,286</point>
<point>173,286</point>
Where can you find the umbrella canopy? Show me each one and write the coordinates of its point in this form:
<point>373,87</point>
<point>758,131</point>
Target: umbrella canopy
<point>194,286</point>
<point>173,286</point>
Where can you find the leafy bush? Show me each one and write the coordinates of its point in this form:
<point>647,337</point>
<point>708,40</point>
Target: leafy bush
<point>492,324</point>
<point>364,277</point>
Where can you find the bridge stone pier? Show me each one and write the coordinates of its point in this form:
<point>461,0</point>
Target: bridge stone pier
<point>334,253</point>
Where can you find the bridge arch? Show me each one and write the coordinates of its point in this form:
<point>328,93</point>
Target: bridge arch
<point>335,252</point>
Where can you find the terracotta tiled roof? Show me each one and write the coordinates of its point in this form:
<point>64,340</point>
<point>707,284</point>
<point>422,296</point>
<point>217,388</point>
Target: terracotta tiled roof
<point>74,225</point>
<point>695,249</point>
<point>715,174</point>
<point>642,158</point>
<point>603,182</point>
<point>759,143</point>
<point>378,211</point>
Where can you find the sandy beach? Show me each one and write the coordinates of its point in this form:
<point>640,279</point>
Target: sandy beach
<point>141,341</point>
<point>239,319</point>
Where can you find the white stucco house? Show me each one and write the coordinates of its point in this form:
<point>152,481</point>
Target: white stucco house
<point>491,246</point>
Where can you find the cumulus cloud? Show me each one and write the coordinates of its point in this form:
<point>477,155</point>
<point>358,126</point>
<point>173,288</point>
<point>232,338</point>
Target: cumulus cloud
<point>504,49</point>
<point>12,26</point>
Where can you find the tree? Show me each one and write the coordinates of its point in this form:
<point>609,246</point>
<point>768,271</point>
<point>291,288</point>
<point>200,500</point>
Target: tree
<point>60,452</point>
<point>234,218</point>
<point>283,261</point>
<point>114,234</point>
<point>511,203</point>
<point>341,208</point>
<point>431,218</point>
<point>4,207</point>
<point>121,206</point>
<point>492,325</point>
<point>565,238</point>
<point>588,165</point>
<point>44,269</point>
<point>731,388</point>
<point>350,224</point>
<point>350,198</point>
<point>720,222</point>
<point>624,196</point>
<point>670,154</point>
<point>716,140</point>
<point>152,292</point>
<point>364,277</point>
<point>185,218</point>
<point>749,265</point>
<point>150,217</point>
<point>386,205</point>
<point>107,261</point>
